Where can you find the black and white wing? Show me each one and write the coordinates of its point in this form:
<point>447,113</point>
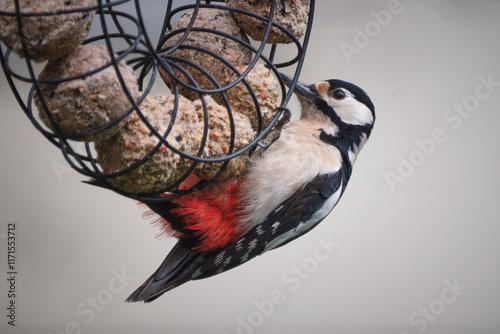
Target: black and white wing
<point>294,217</point>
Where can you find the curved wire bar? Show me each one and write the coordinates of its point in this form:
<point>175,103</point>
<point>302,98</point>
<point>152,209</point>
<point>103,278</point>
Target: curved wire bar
<point>147,58</point>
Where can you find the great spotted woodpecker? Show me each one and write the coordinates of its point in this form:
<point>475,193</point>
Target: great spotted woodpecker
<point>284,192</point>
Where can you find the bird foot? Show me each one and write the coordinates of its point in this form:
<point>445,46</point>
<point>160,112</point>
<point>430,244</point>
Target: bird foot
<point>275,133</point>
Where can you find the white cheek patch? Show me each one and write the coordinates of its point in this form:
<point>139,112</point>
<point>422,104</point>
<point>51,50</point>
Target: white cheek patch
<point>350,110</point>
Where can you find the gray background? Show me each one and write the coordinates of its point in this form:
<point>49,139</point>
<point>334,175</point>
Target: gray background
<point>397,247</point>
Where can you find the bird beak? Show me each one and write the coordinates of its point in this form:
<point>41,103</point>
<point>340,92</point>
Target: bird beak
<point>302,90</point>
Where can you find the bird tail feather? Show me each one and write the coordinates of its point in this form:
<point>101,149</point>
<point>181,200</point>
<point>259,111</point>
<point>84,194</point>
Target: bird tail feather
<point>177,268</point>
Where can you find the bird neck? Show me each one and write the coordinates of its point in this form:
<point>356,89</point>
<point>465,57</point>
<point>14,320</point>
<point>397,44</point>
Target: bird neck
<point>344,146</point>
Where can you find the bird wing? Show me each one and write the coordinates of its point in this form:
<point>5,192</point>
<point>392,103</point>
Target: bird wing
<point>294,217</point>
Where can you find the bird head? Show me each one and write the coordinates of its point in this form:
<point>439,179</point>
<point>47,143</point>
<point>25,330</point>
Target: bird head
<point>340,108</point>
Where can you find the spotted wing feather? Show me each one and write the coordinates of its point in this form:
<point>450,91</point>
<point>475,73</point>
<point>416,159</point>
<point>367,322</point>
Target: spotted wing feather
<point>285,219</point>
<point>184,264</point>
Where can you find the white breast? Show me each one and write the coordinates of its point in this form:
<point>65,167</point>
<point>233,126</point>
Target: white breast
<point>290,163</point>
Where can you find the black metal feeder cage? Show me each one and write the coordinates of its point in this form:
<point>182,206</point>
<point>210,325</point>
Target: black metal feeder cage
<point>120,26</point>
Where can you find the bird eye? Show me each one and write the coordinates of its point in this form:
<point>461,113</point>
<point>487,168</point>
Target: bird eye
<point>338,94</point>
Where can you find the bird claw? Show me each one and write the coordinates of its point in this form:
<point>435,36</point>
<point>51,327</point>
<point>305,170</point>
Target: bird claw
<point>275,133</point>
<point>288,6</point>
